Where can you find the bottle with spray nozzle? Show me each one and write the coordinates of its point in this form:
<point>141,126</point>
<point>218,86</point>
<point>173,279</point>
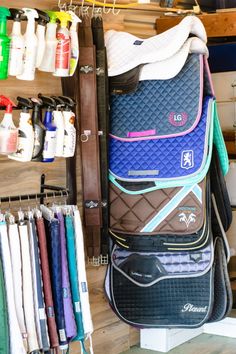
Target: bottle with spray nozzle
<point>8,130</point>
<point>40,34</point>
<point>49,147</point>
<point>31,42</point>
<point>58,120</point>
<point>39,129</point>
<point>4,43</point>
<point>49,57</point>
<point>69,126</point>
<point>25,132</point>
<point>74,52</point>
<point>17,46</point>
<point>63,50</point>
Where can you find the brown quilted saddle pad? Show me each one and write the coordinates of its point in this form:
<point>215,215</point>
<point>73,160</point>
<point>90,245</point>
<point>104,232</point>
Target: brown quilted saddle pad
<point>178,211</point>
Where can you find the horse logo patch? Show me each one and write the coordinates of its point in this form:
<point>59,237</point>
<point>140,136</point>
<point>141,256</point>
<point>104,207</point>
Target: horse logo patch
<point>187,159</point>
<point>191,218</point>
<point>178,119</point>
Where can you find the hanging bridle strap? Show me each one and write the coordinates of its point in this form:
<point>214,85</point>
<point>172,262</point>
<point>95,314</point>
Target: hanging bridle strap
<point>103,121</point>
<point>90,156</point>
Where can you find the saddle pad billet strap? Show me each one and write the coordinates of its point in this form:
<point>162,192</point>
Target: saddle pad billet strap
<point>4,330</point>
<point>103,120</point>
<point>164,211</point>
<point>54,250</point>
<point>89,138</point>
<point>47,288</point>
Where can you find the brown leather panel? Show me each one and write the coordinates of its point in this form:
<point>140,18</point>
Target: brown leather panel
<point>130,213</point>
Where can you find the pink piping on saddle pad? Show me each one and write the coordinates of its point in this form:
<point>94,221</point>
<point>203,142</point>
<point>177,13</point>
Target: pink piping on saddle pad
<point>199,114</point>
<point>140,134</point>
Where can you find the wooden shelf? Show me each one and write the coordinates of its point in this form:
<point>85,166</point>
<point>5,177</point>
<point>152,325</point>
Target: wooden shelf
<point>217,24</point>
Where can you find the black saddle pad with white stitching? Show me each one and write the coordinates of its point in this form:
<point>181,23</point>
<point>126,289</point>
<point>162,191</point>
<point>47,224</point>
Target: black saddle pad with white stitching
<point>149,291</point>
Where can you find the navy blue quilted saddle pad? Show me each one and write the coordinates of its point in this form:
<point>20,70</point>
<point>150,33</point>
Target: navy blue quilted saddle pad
<point>163,159</point>
<point>157,108</point>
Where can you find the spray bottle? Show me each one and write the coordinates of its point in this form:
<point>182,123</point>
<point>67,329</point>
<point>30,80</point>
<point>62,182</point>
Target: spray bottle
<point>4,43</point>
<point>31,42</point>
<point>49,147</point>
<point>25,133</point>
<point>8,130</point>
<point>40,34</point>
<point>17,46</point>
<point>39,129</point>
<point>63,46</point>
<point>69,124</point>
<point>58,120</point>
<point>49,57</point>
<point>74,54</point>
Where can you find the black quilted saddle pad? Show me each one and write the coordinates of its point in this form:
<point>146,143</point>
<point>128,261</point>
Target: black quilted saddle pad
<point>169,290</point>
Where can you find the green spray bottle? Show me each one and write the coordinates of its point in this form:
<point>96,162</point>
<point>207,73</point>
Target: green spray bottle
<point>4,43</point>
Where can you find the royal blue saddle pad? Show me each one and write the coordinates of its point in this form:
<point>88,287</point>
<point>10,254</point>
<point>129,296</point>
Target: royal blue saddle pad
<point>157,109</point>
<point>163,159</point>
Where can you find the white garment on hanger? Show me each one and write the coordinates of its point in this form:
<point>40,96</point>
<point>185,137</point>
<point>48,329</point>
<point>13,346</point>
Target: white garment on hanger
<point>15,249</point>
<point>28,297</point>
<point>83,285</point>
<point>16,340</point>
<point>34,282</point>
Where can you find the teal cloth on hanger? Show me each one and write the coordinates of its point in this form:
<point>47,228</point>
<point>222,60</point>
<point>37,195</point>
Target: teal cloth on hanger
<point>74,281</point>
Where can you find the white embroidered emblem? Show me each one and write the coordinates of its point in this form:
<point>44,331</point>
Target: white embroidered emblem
<point>187,159</point>
<point>188,220</point>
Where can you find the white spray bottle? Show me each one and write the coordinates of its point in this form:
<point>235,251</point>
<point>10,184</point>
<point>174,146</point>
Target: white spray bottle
<point>40,33</point>
<point>17,45</point>
<point>69,124</point>
<point>49,57</point>
<point>31,42</point>
<point>63,47</point>
<point>8,130</point>
<point>58,120</point>
<point>25,133</point>
<point>74,39</point>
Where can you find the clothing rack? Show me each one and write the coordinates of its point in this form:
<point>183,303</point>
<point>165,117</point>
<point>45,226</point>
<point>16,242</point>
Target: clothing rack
<point>58,192</point>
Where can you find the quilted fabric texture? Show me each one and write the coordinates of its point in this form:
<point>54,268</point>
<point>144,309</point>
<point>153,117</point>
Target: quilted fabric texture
<point>131,213</point>
<point>180,302</point>
<point>164,107</point>
<point>171,158</point>
<point>163,243</point>
<point>161,264</point>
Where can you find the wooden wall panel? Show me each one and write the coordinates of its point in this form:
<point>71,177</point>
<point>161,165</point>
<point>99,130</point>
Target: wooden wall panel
<point>110,335</point>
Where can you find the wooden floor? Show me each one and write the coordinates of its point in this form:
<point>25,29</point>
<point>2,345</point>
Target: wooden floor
<point>203,344</point>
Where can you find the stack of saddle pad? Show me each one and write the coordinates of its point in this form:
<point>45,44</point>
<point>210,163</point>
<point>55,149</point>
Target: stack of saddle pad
<point>169,207</point>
